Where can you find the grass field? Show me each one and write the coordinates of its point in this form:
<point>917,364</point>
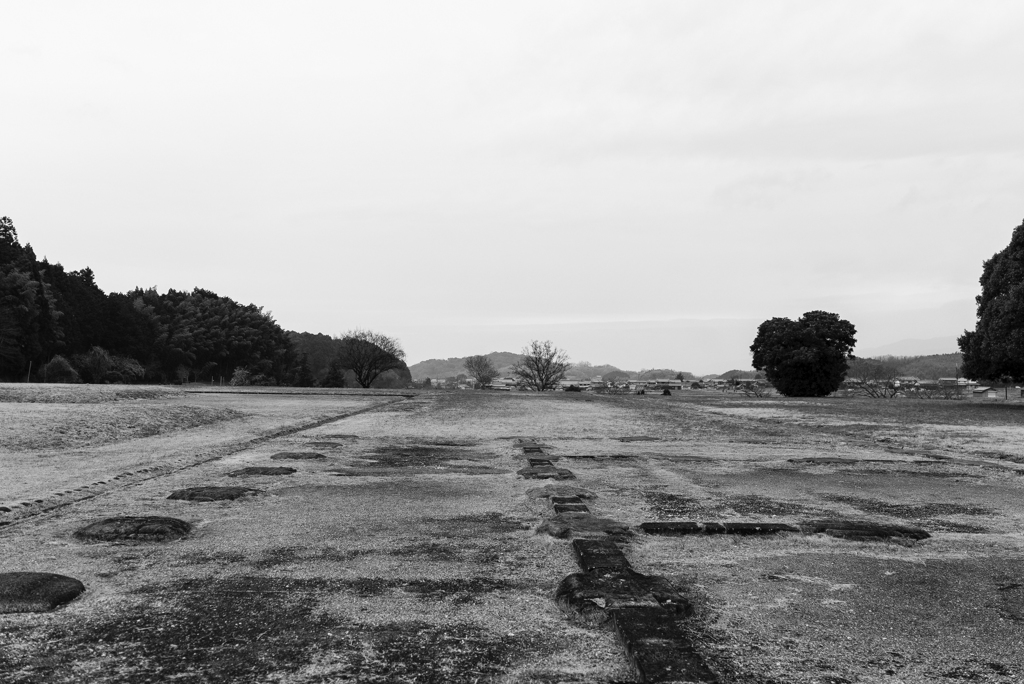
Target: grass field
<point>410,553</point>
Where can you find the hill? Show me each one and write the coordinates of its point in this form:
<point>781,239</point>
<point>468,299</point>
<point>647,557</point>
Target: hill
<point>931,367</point>
<point>452,367</point>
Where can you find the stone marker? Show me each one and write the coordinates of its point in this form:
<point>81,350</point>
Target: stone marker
<point>569,525</point>
<point>296,456</point>
<point>599,554</point>
<point>545,473</point>
<point>262,470</point>
<point>213,493</point>
<point>36,592</point>
<point>657,648</point>
<point>684,527</point>
<point>144,528</point>
<point>862,530</point>
<point>560,490</point>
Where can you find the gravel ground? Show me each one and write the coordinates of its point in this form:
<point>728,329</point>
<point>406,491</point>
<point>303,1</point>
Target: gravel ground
<point>409,553</point>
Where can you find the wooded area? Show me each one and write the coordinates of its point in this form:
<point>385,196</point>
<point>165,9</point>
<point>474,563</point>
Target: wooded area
<point>59,326</point>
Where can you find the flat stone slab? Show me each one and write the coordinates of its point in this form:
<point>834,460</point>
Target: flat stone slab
<point>148,528</point>
<point>545,473</point>
<point>36,592</point>
<point>862,530</point>
<point>569,525</point>
<point>535,462</point>
<point>824,460</point>
<point>570,508</point>
<point>213,493</point>
<point>296,456</point>
<point>262,470</point>
<point>685,527</point>
<point>532,450</point>
<point>587,597</point>
<point>640,438</point>
<point>599,554</point>
<point>553,491</point>
<point>657,648</point>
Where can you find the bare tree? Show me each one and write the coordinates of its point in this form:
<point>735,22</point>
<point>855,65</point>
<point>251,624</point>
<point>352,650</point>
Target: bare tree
<point>368,354</point>
<point>481,368</point>
<point>874,378</point>
<point>542,367</point>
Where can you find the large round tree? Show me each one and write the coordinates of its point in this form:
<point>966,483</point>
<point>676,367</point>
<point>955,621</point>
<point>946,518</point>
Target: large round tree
<point>806,357</point>
<point>995,349</point>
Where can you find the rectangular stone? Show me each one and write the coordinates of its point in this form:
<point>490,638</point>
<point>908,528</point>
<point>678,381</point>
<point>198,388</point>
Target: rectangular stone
<point>541,462</point>
<point>532,450</point>
<point>566,500</point>
<point>672,528</point>
<point>571,508</point>
<point>657,648</point>
<point>757,528</point>
<point>599,554</point>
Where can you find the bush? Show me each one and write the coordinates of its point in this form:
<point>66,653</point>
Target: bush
<point>59,370</point>
<point>94,365</point>
<point>573,388</point>
<point>128,368</point>
<point>241,378</point>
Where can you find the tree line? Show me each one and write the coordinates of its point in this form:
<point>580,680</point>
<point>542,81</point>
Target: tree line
<point>59,326</point>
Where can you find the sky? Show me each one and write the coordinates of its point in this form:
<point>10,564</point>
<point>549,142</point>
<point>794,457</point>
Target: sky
<point>641,183</point>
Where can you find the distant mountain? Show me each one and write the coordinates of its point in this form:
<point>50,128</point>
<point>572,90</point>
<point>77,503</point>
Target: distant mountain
<point>448,368</point>
<point>912,347</point>
<point>736,374</point>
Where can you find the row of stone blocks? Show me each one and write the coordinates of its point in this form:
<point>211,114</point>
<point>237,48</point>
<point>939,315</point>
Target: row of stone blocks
<point>644,610</point>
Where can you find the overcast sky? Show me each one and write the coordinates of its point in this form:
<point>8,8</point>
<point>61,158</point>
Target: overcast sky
<point>642,182</point>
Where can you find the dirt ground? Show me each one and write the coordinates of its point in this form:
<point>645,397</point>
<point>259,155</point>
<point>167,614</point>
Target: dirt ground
<point>410,552</point>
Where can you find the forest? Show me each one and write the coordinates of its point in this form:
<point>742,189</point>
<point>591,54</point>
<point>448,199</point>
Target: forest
<point>59,326</point>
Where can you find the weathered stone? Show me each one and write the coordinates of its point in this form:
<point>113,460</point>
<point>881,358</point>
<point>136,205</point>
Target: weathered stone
<point>297,456</point>
<point>657,648</point>
<point>568,525</point>
<point>599,554</point>
<point>750,528</point>
<point>36,592</point>
<point>545,473</point>
<point>566,500</point>
<point>143,528</point>
<point>672,528</point>
<point>638,439</point>
<point>262,470</point>
<point>570,508</point>
<point>824,460</point>
<point>559,490</point>
<point>213,493</point>
<point>862,529</point>
<point>540,462</point>
<point>587,596</point>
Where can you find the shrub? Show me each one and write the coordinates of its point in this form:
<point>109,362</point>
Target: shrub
<point>94,365</point>
<point>241,378</point>
<point>59,370</point>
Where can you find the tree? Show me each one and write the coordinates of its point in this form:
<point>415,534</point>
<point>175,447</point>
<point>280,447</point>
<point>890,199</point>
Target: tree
<point>481,368</point>
<point>807,357</point>
<point>996,346</point>
<point>335,375</point>
<point>542,366</point>
<point>368,354</point>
